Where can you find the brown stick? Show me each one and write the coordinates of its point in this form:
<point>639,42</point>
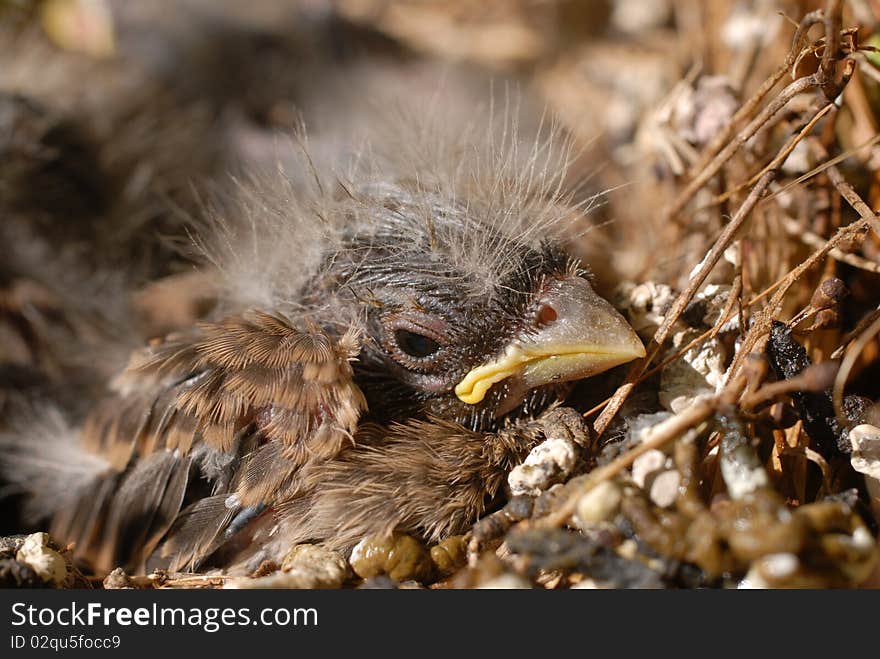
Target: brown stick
<point>828,67</point>
<point>852,198</point>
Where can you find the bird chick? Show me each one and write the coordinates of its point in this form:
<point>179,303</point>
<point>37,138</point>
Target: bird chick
<point>385,345</point>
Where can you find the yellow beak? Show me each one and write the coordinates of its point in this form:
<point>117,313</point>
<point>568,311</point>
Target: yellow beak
<point>588,336</point>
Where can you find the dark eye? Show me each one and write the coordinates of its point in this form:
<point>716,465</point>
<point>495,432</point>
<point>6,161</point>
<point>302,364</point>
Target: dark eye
<point>415,340</point>
<point>415,345</point>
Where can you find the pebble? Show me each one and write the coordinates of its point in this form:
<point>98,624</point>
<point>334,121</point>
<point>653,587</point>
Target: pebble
<point>647,465</point>
<point>314,566</point>
<point>598,505</point>
<point>45,561</point>
<point>550,462</point>
<point>865,459</point>
<point>664,488</point>
<point>118,580</point>
<point>865,442</point>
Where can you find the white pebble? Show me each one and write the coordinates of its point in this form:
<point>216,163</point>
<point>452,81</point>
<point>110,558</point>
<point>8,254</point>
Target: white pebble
<point>646,465</point>
<point>862,539</point>
<point>46,562</point>
<point>549,462</point>
<point>598,505</point>
<point>315,567</point>
<point>865,442</point>
<point>664,488</point>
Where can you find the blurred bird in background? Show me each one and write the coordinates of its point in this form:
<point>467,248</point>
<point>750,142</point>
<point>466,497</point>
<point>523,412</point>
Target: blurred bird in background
<point>390,321</point>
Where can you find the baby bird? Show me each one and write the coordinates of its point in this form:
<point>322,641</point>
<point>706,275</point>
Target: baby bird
<point>384,350</point>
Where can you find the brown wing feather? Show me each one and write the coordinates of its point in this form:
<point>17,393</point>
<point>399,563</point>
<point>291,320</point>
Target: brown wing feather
<point>259,368</point>
<point>253,375</point>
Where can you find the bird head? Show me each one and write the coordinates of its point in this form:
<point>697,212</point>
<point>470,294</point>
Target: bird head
<point>443,246</point>
<point>467,322</point>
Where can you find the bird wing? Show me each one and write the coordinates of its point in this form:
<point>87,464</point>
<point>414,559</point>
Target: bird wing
<point>247,400</point>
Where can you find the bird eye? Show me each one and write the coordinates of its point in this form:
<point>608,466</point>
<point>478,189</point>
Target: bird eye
<point>416,345</point>
<point>415,340</point>
<point>546,314</point>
